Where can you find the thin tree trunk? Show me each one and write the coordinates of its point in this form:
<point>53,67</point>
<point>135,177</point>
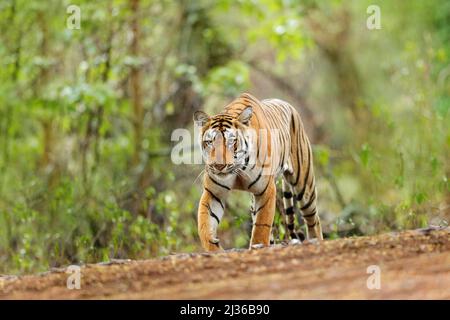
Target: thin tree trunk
<point>135,82</point>
<point>43,78</point>
<point>105,77</point>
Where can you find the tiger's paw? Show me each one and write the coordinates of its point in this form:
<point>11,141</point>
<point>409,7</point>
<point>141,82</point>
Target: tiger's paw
<point>294,242</point>
<point>312,241</point>
<point>257,246</point>
<point>213,245</point>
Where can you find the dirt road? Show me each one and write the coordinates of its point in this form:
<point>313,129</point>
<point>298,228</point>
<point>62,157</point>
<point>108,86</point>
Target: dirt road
<point>412,265</point>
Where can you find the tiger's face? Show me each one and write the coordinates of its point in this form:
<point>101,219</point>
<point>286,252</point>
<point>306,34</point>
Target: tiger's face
<point>224,141</point>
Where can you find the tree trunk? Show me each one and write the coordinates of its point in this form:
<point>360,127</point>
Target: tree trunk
<point>47,125</point>
<point>135,82</point>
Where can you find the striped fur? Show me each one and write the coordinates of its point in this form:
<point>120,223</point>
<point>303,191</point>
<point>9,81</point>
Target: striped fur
<point>247,147</point>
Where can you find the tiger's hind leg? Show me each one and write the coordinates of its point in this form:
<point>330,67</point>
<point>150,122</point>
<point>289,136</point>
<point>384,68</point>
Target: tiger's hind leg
<point>308,209</point>
<point>303,181</point>
<point>305,192</point>
<point>288,204</point>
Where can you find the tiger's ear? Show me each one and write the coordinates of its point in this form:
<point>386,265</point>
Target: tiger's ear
<point>200,118</point>
<point>246,115</point>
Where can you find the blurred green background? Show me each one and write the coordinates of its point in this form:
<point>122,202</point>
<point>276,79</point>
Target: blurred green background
<point>86,118</point>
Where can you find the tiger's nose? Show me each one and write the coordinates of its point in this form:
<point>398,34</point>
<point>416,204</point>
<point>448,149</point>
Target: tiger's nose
<point>219,166</point>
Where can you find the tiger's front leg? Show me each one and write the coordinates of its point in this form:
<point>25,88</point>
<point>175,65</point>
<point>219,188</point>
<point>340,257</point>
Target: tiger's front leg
<point>210,211</point>
<point>263,215</point>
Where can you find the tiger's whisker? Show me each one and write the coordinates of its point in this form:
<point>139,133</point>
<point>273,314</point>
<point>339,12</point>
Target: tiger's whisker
<point>242,173</point>
<point>201,172</point>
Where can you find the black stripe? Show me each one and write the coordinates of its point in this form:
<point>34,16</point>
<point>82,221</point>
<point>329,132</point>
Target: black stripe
<point>298,167</point>
<point>261,206</point>
<point>293,122</point>
<point>221,120</point>
<point>290,211</point>
<point>219,184</point>
<point>300,195</point>
<point>308,164</point>
<point>306,206</point>
<point>262,225</point>
<point>226,121</point>
<point>287,194</point>
<point>311,185</point>
<point>211,213</point>
<point>221,125</point>
<point>310,214</point>
<point>214,216</point>
<point>290,226</point>
<point>258,146</point>
<point>262,192</point>
<point>247,159</point>
<point>256,159</point>
<point>246,145</point>
<point>256,180</point>
<point>299,154</point>
<point>215,197</point>
<point>216,244</point>
<point>313,225</point>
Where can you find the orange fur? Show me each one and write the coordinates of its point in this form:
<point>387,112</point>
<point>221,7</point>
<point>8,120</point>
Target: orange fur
<point>277,146</point>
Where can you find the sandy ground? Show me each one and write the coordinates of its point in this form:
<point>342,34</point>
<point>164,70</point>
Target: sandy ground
<point>412,264</point>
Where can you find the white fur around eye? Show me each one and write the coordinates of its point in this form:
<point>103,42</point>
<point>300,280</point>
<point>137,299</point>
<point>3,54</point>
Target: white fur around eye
<point>229,134</point>
<point>210,135</point>
<point>230,137</point>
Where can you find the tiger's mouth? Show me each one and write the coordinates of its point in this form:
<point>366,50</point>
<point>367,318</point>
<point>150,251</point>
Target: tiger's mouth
<point>221,172</point>
<point>229,169</point>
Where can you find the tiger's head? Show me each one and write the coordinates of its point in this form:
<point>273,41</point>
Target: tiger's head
<point>225,140</point>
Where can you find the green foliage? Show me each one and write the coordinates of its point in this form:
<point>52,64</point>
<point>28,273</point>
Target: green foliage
<point>86,117</point>
<point>229,79</point>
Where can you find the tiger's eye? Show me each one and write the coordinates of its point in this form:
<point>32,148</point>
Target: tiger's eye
<point>231,141</point>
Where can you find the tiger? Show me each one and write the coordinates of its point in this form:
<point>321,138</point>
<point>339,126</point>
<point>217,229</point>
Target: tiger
<point>248,146</point>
